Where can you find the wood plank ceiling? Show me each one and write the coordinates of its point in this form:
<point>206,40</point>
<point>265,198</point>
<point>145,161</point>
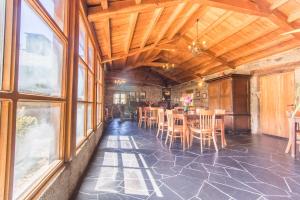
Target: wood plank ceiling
<point>135,34</point>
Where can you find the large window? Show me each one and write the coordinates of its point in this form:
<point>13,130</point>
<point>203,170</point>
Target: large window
<point>38,125</point>
<point>2,25</point>
<point>99,93</point>
<point>86,85</point>
<point>41,56</point>
<point>37,142</point>
<point>119,98</point>
<point>56,9</point>
<point>38,132</point>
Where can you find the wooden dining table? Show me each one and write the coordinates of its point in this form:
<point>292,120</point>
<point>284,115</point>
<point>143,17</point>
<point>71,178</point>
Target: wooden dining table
<point>187,119</point>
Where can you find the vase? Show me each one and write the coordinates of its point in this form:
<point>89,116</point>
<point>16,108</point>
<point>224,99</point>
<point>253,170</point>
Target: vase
<point>186,109</point>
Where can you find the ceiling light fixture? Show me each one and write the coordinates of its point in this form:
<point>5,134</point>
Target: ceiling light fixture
<point>197,47</point>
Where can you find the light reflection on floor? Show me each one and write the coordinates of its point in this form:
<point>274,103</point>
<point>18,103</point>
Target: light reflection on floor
<point>136,174</point>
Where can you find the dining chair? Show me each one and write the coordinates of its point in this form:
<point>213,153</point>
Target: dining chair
<point>162,124</point>
<point>174,129</point>
<point>142,117</point>
<point>204,130</point>
<point>218,124</point>
<point>152,118</point>
<point>297,131</point>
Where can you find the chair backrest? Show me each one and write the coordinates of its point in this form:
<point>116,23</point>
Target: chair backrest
<point>141,112</point>
<point>153,112</point>
<point>161,116</point>
<point>220,112</point>
<point>198,110</point>
<point>207,120</point>
<point>170,119</point>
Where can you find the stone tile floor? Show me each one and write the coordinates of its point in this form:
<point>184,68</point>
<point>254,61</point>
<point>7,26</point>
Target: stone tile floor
<point>131,163</point>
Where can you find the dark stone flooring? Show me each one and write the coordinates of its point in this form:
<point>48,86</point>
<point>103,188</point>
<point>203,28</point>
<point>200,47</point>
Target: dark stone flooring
<point>131,163</point>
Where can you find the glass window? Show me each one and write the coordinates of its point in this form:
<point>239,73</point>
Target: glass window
<point>81,82</point>
<point>41,56</point>
<point>119,98</point>
<point>116,98</point>
<point>82,45</point>
<point>90,117</point>
<point>2,24</point>
<point>90,87</point>
<point>91,55</point>
<point>37,142</point>
<point>56,9</point>
<point>80,123</point>
<point>123,99</point>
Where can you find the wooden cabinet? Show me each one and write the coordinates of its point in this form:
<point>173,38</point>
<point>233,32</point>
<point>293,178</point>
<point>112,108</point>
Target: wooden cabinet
<point>232,93</point>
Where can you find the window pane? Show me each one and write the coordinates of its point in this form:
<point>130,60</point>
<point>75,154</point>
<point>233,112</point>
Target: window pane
<point>99,93</point>
<point>90,87</point>
<point>2,24</point>
<point>37,142</point>
<point>99,113</point>
<point>123,99</point>
<point>80,123</point>
<point>81,82</point>
<point>56,8</point>
<point>82,45</point>
<point>91,55</point>
<point>41,56</point>
<point>89,117</point>
<point>116,98</point>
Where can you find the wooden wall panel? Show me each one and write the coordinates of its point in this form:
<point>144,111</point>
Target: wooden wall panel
<point>276,93</point>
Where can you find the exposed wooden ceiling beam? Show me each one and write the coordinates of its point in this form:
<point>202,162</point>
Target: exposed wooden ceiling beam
<point>156,15</point>
<point>97,13</point>
<point>119,8</point>
<point>191,22</point>
<point>284,46</point>
<point>134,52</point>
<point>294,16</point>
<point>165,75</point>
<point>167,25</point>
<point>183,21</point>
<point>108,38</point>
<point>277,4</point>
<point>104,4</point>
<point>138,1</point>
<point>131,29</point>
<point>211,54</point>
<point>216,23</point>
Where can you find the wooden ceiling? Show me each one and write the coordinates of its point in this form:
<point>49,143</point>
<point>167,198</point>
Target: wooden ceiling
<point>138,33</point>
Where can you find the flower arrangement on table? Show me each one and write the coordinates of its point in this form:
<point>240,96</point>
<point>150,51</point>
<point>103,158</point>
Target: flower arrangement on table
<point>187,100</point>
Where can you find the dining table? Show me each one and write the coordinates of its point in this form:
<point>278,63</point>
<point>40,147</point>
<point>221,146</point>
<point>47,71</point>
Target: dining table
<point>188,118</point>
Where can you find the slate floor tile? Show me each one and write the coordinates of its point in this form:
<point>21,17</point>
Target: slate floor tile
<point>130,163</point>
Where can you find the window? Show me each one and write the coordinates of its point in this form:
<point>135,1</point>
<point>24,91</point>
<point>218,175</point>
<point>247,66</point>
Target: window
<point>39,116</point>
<point>86,86</point>
<point>82,39</point>
<point>37,142</point>
<point>119,98</point>
<point>2,25</point>
<point>56,10</point>
<point>99,92</point>
<point>41,56</point>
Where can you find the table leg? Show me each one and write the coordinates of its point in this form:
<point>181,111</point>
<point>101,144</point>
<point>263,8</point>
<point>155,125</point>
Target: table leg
<point>293,135</point>
<point>224,143</point>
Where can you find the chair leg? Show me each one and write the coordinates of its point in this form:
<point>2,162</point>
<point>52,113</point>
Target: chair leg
<point>157,134</point>
<point>201,142</point>
<point>171,142</point>
<point>191,140</point>
<point>215,143</point>
<point>167,138</point>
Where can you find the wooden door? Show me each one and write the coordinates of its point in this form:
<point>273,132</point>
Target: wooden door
<point>276,93</point>
<point>226,95</point>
